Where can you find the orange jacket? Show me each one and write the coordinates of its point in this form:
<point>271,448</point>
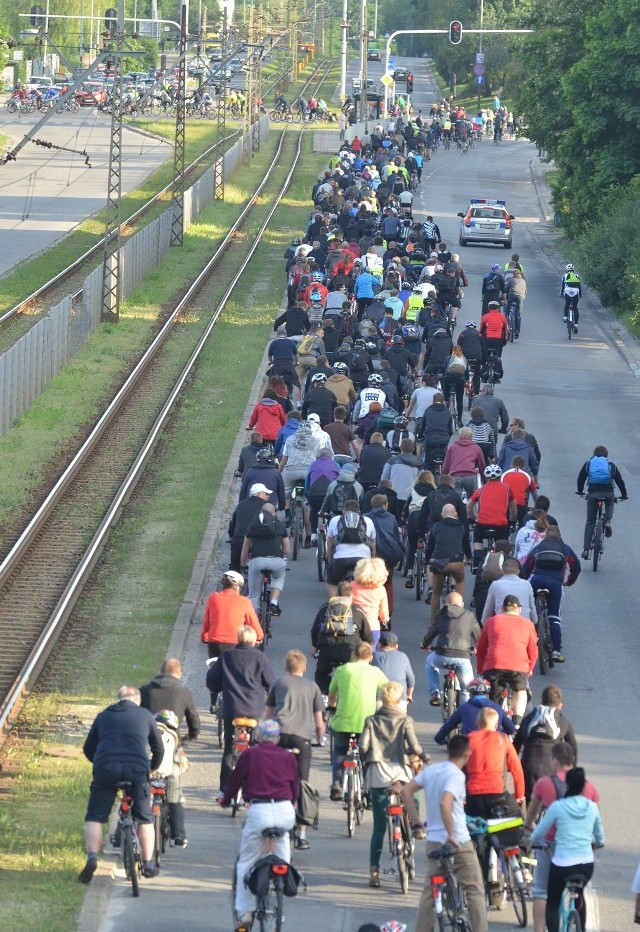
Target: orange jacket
<point>493,325</point>
<point>224,613</point>
<point>507,642</point>
<point>491,751</point>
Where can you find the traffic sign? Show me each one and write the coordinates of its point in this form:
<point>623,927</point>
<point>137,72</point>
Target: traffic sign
<point>387,80</point>
<point>479,79</point>
<point>479,69</point>
<point>392,61</point>
<point>479,58</point>
<point>387,34</point>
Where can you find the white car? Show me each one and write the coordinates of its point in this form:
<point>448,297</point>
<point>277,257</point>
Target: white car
<point>486,220</point>
<point>41,84</point>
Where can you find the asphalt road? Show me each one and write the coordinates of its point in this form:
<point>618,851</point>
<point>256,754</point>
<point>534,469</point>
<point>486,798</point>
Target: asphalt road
<point>573,396</point>
<point>46,193</point>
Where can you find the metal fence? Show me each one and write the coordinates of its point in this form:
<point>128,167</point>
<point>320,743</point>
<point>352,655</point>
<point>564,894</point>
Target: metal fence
<point>27,367</point>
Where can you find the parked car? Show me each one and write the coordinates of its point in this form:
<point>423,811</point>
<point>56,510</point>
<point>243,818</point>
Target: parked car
<point>41,84</point>
<point>235,65</point>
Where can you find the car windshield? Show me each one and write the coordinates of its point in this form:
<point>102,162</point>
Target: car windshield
<point>487,213</point>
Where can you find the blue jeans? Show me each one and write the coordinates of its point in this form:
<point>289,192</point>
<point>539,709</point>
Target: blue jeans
<point>554,604</point>
<point>516,300</point>
<point>433,666</point>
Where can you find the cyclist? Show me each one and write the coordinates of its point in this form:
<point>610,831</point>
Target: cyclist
<point>268,777</point>
<point>453,633</point>
<point>545,792</point>
<point>492,287</point>
<point>516,293</point>
<point>496,508</point>
<point>353,693</point>
<point>350,537</point>
<point>510,584</point>
<point>571,291</point>
<point>265,547</point>
<point>599,473</point>
<point>465,717</point>
<point>244,676</point>
<point>226,612</point>
<point>372,393</point>
<point>507,652</point>
<point>339,626</point>
<point>444,788</point>
<point>447,551</point>
<point>341,385</point>
<point>470,342</point>
<point>541,729</point>
<point>547,565</point>
<point>577,823</point>
<point>319,399</point>
<point>265,472</point>
<point>387,740</point>
<point>494,329</point>
<point>118,747</point>
<point>436,430</point>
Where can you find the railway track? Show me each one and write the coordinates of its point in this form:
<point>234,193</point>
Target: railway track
<point>45,572</point>
<point>42,293</point>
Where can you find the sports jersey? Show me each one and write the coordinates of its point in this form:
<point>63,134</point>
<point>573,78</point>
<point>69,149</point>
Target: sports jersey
<point>520,483</point>
<point>493,503</point>
<point>368,396</point>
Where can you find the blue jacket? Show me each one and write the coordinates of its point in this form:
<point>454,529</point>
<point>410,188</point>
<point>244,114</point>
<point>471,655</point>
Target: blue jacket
<point>245,676</point>
<point>364,285</point>
<point>290,427</point>
<point>531,567</point>
<point>123,734</point>
<point>578,823</point>
<point>466,717</point>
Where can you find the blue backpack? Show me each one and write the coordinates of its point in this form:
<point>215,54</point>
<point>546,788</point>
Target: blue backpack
<point>599,471</point>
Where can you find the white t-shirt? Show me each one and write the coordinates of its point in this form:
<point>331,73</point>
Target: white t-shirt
<point>368,396</point>
<point>427,289</point>
<point>351,551</point>
<point>436,780</point>
<point>423,398</point>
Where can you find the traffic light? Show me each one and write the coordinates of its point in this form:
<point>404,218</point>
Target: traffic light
<point>37,16</point>
<point>455,32</point>
<point>110,19</point>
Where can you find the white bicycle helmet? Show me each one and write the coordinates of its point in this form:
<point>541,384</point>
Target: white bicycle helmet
<point>340,367</point>
<point>492,471</point>
<point>569,267</point>
<point>375,379</point>
<point>319,378</point>
<point>471,323</point>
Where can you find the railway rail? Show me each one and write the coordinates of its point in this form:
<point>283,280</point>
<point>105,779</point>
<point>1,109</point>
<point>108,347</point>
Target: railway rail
<point>46,570</point>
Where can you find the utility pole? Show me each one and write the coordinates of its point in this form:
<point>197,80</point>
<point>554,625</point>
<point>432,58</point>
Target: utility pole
<point>249,88</point>
<point>111,263</point>
<point>221,114</point>
<point>343,50</point>
<point>364,49</point>
<point>177,223</point>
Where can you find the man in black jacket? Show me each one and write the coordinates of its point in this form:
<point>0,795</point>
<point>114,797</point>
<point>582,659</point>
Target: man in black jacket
<point>166,691</point>
<point>436,430</point>
<point>244,676</point>
<point>295,319</point>
<point>470,342</point>
<point>319,400</point>
<point>373,457</point>
<point>244,513</point>
<point>249,453</point>
<point>118,746</point>
<point>448,547</point>
<point>265,472</point>
<point>539,731</point>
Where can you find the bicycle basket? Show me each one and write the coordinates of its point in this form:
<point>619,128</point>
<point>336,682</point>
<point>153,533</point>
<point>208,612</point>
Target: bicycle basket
<point>258,878</point>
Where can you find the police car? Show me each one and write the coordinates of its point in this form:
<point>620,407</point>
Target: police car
<point>487,221</point>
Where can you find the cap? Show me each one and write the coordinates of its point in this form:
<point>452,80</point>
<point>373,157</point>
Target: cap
<point>235,577</point>
<point>314,417</point>
<point>269,728</point>
<point>493,304</point>
<point>255,489</point>
<point>388,639</point>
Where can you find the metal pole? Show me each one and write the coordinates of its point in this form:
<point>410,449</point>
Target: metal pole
<point>221,115</point>
<point>177,222</point>
<point>375,20</point>
<point>364,91</point>
<point>343,51</point>
<point>480,44</point>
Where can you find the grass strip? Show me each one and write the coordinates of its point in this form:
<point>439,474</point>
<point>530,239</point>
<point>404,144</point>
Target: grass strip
<point>124,624</point>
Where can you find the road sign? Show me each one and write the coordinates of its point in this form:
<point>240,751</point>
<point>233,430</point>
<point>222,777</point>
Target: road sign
<point>479,69</point>
<point>392,61</point>
<point>479,79</point>
<point>387,34</point>
<point>387,80</point>
<point>479,58</point>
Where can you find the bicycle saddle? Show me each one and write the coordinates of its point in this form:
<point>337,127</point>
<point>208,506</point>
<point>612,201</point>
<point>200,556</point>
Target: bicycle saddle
<point>274,832</point>
<point>579,881</point>
<point>123,784</point>
<point>447,851</point>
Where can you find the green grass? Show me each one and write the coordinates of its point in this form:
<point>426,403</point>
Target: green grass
<point>151,552</point>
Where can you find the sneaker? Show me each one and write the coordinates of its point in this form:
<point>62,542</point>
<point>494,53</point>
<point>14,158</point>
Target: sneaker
<point>585,554</point>
<point>516,336</point>
<point>150,870</point>
<point>557,657</point>
<point>575,328</point>
<point>428,598</point>
<point>608,530</point>
<point>408,582</point>
<point>276,611</point>
<point>314,540</point>
<point>374,878</point>
<point>302,844</point>
<point>565,319</point>
<point>180,842</point>
<point>88,870</point>
<point>335,793</point>
<point>435,699</point>
<point>212,709</point>
<point>244,922</point>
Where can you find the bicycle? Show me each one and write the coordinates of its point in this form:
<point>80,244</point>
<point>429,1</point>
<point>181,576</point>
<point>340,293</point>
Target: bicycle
<point>269,912</point>
<point>504,864</point>
<point>450,691</point>
<point>572,895</point>
<point>449,902</point>
<point>569,316</point>
<point>242,728</point>
<point>402,845</point>
<point>160,810</point>
<point>545,645</point>
<point>297,519</point>
<point>353,786</point>
<point>468,386</point>
<point>216,709</point>
<point>511,321</point>
<point>599,534</point>
<point>321,551</point>
<point>419,570</point>
<point>130,844</point>
<point>264,613</point>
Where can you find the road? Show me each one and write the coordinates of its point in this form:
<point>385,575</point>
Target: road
<point>573,395</point>
<point>46,193</point>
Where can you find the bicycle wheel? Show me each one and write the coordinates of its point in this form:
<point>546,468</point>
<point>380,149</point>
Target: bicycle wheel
<point>516,893</point>
<point>418,573</point>
<point>220,721</point>
<point>596,544</point>
<point>544,648</point>
<point>296,531</point>
<point>512,329</point>
<point>157,835</point>
<point>448,699</point>
<point>321,556</point>
<point>573,922</point>
<point>265,620</point>
<point>274,115</point>
<point>403,869</point>
<point>166,827</point>
<point>359,796</point>
<point>448,919</point>
<point>351,804</point>
<point>129,859</point>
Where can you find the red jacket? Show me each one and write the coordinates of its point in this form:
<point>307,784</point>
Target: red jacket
<point>493,326</point>
<point>267,417</point>
<point>485,769</point>
<point>507,642</point>
<point>224,613</point>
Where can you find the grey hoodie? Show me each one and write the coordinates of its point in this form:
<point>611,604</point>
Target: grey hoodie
<point>402,469</point>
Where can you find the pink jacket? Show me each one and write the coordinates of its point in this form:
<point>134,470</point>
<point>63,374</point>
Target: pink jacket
<point>464,458</point>
<point>373,602</point>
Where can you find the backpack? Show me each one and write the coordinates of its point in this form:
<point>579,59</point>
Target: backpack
<point>263,528</point>
<point>396,440</point>
<point>305,281</point>
<point>305,346</point>
<point>350,532</point>
<point>410,332</point>
<point>341,493</point>
<point>338,622</point>
<point>170,742</point>
<point>308,807</point>
<point>550,559</point>
<point>457,365</point>
<point>599,471</point>
<point>560,786</point>
<point>493,282</point>
<point>359,361</point>
<point>315,295</point>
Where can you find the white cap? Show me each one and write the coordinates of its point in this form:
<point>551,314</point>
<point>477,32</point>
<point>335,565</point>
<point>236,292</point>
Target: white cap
<point>258,487</point>
<point>314,417</point>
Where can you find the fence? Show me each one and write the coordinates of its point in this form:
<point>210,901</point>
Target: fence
<point>27,367</point>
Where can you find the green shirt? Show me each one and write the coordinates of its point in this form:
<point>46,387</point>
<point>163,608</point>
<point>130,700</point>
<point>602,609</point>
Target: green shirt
<point>357,685</point>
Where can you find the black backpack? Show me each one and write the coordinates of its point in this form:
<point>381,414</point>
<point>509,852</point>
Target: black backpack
<point>341,493</point>
<point>350,534</point>
<point>396,440</point>
<point>493,282</point>
<point>359,361</point>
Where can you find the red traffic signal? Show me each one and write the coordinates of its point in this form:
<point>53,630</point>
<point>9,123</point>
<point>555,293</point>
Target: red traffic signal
<point>455,32</point>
